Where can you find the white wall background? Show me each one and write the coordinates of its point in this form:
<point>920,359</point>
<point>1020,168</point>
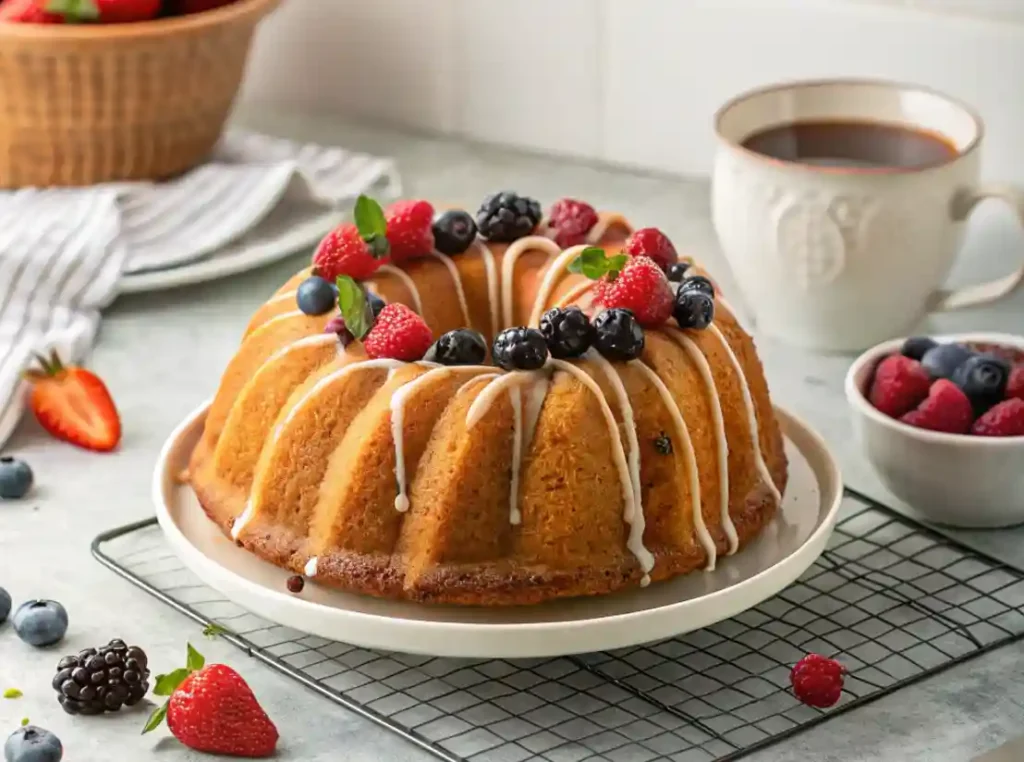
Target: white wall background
<point>631,82</point>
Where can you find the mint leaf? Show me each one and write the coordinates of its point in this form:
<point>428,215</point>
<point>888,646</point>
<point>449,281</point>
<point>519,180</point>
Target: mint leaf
<point>595,264</point>
<point>24,721</point>
<point>195,660</point>
<point>372,226</point>
<point>354,307</point>
<point>166,684</point>
<point>155,719</point>
<point>212,630</point>
<point>13,693</point>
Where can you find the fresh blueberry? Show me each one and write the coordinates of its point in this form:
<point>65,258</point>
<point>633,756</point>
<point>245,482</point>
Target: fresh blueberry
<point>459,347</point>
<point>375,302</point>
<point>15,478</point>
<point>32,744</point>
<point>316,296</point>
<point>677,271</point>
<point>40,623</point>
<point>454,231</point>
<point>983,379</point>
<point>5,605</point>
<point>693,309</point>
<point>916,346</point>
<point>698,283</point>
<point>943,360</point>
<point>617,335</point>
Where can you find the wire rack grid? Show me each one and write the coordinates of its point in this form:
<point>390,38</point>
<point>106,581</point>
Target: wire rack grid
<point>893,601</point>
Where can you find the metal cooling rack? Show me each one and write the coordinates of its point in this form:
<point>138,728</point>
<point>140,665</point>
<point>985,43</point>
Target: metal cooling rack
<point>894,601</point>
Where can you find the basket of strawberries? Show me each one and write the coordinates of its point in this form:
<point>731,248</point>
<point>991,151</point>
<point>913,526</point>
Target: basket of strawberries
<point>96,91</point>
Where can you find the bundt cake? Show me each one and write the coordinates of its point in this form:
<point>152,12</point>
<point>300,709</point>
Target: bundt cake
<point>590,418</point>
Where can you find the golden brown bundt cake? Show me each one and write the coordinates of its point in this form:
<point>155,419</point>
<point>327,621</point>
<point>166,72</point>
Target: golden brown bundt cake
<point>591,417</point>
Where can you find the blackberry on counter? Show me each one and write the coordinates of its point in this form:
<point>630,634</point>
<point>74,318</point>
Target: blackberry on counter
<point>454,231</point>
<point>520,349</point>
<point>460,347</point>
<point>698,283</point>
<point>506,216</point>
<point>677,271</point>
<point>617,335</point>
<point>102,680</point>
<point>568,332</point>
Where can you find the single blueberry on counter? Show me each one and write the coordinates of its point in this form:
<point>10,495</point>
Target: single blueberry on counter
<point>40,623</point>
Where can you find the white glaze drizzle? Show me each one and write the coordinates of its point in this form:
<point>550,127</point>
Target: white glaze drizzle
<point>492,284</point>
<point>636,522</point>
<point>310,568</point>
<point>457,282</point>
<point>397,407</point>
<point>508,264</point>
<point>515,397</point>
<point>748,404</point>
<point>685,444</point>
<point>574,294</point>
<point>482,404</point>
<point>551,276</point>
<point>239,524</point>
<point>407,281</point>
<point>719,422</point>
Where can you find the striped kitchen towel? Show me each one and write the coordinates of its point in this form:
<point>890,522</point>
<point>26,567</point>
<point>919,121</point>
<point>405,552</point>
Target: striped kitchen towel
<point>63,251</point>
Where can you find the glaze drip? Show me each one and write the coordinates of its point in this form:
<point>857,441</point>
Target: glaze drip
<point>508,265</point>
<point>457,282</point>
<point>406,281</point>
<point>491,268</point>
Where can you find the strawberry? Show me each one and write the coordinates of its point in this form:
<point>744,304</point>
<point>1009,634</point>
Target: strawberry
<point>641,288</point>
<point>571,220</point>
<point>653,244</point>
<point>28,12</point>
<point>1015,386</point>
<point>399,334</point>
<point>74,405</point>
<point>900,385</point>
<point>105,11</point>
<point>817,680</point>
<point>356,250</point>
<point>212,709</point>
<point>945,409</point>
<point>1004,420</point>
<point>409,229</point>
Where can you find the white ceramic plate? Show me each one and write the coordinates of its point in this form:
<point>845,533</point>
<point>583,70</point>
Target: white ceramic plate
<point>788,546</point>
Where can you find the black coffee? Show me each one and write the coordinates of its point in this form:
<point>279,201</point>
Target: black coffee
<point>852,144</point>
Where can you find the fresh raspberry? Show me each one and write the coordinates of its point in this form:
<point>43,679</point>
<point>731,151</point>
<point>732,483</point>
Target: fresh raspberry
<point>1004,420</point>
<point>900,385</point>
<point>641,288</point>
<point>398,334</point>
<point>946,409</point>
<point>571,221</point>
<point>409,229</point>
<point>817,680</point>
<point>653,244</point>
<point>344,252</point>
<point>1015,386</point>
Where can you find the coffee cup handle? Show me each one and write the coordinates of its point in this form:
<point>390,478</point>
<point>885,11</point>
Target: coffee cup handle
<point>982,293</point>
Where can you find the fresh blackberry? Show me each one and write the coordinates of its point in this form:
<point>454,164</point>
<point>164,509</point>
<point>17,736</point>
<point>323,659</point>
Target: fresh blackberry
<point>102,680</point>
<point>460,347</point>
<point>520,349</point>
<point>617,335</point>
<point>694,309</point>
<point>568,332</point>
<point>454,231</point>
<point>698,283</point>
<point>677,271</point>
<point>506,216</point>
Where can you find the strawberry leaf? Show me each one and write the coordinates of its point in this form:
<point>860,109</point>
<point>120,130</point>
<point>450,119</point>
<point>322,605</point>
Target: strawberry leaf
<point>167,684</point>
<point>595,264</point>
<point>155,719</point>
<point>195,660</point>
<point>354,307</point>
<point>372,226</point>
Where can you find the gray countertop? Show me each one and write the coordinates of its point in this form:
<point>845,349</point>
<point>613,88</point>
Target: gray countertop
<point>162,353</point>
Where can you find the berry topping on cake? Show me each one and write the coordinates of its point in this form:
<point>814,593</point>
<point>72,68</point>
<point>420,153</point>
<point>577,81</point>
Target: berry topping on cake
<point>15,479</point>
<point>1015,385</point>
<point>698,283</point>
<point>983,379</point>
<point>567,331</point>
<point>409,229</point>
<point>641,288</point>
<point>900,385</point>
<point>95,681</point>
<point>454,231</point>
<point>916,346</point>
<point>398,334</point>
<point>212,709</point>
<point>506,216</point>
<point>40,623</point>
<point>1003,420</point>
<point>356,250</point>
<point>570,221</point>
<point>316,296</point>
<point>946,409</point>
<point>595,263</point>
<point>460,347</point>
<point>942,360</point>
<point>33,744</point>
<point>336,325</point>
<point>693,309</point>
<point>817,680</point>
<point>618,335</point>
<point>520,349</point>
<point>676,271</point>
<point>653,244</point>
<point>375,302</point>
<point>662,444</point>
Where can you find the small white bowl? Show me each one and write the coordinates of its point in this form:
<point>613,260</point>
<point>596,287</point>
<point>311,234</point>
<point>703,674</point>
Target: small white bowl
<point>955,479</point>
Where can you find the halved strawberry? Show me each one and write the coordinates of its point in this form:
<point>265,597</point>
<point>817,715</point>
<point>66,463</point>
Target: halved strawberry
<point>74,405</point>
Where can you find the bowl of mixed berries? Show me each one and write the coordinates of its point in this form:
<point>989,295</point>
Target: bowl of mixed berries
<point>941,419</point>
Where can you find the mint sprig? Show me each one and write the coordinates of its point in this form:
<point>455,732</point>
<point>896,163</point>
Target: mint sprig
<point>372,226</point>
<point>354,307</point>
<point>594,263</point>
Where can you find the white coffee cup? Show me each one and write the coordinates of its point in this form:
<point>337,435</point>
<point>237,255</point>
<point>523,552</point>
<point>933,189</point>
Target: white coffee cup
<point>838,258</point>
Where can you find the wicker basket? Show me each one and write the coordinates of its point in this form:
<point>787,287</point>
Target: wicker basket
<point>88,104</point>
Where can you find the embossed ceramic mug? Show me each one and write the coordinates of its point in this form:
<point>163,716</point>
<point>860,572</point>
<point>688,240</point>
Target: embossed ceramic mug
<point>841,204</point>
